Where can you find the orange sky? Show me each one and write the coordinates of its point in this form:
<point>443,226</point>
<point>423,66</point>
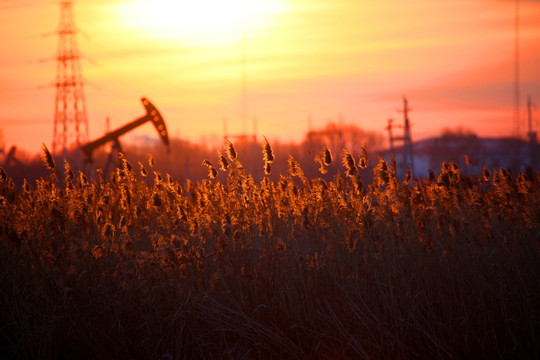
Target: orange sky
<point>454,60</point>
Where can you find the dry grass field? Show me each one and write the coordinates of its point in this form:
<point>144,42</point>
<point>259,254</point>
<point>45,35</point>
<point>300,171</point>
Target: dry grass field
<point>138,266</point>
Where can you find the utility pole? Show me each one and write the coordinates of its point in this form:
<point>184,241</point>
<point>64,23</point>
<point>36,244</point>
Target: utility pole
<point>390,137</point>
<point>254,137</point>
<point>70,107</point>
<point>532,135</point>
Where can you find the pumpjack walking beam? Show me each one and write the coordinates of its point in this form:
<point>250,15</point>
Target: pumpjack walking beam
<point>152,115</point>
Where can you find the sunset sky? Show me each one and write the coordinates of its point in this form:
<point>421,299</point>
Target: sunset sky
<point>318,59</point>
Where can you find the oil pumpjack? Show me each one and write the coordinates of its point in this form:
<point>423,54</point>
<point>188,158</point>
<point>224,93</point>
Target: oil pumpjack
<point>152,115</point>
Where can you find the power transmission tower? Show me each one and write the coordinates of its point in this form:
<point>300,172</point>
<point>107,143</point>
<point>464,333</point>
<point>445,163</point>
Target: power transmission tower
<point>408,158</point>
<point>70,107</point>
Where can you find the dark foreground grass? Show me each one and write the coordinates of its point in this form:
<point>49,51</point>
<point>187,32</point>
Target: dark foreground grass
<point>293,269</point>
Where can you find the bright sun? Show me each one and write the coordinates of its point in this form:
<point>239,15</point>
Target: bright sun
<point>200,22</point>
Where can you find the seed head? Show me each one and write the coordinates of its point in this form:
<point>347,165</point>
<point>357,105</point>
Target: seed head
<point>363,161</point>
<point>83,179</point>
<point>283,183</point>
<point>408,176</point>
<point>3,174</point>
<point>467,159</point>
<point>381,171</point>
<point>26,186</point>
<point>108,230</point>
<point>444,179</point>
<point>327,156</point>
<point>223,163</point>
<point>348,162</point>
<point>294,167</point>
<point>126,195</point>
<point>143,170</point>
<point>267,168</point>
<point>68,173</point>
<point>127,166</point>
<point>486,174</point>
<point>212,172</point>
<point>324,160</point>
<point>268,154</point>
<point>359,185</point>
<point>229,149</point>
<point>48,159</point>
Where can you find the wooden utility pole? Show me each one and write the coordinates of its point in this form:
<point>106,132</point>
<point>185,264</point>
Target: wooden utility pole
<point>533,146</point>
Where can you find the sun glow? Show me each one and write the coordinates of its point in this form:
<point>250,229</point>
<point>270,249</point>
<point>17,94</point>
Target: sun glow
<point>200,22</point>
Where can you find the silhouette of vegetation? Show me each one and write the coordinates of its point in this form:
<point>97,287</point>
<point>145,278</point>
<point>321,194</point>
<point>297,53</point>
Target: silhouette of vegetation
<point>139,265</point>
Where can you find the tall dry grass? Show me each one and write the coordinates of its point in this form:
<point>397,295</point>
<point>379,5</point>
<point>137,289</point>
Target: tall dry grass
<point>135,265</point>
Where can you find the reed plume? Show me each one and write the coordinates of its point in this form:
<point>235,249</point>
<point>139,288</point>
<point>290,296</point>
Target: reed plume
<point>268,154</point>
<point>68,172</point>
<point>3,174</point>
<point>324,160</point>
<point>143,170</point>
<point>327,156</point>
<point>486,174</point>
<point>294,168</point>
<point>223,163</point>
<point>467,159</point>
<point>212,172</point>
<point>267,168</point>
<point>229,150</point>
<point>381,171</point>
<point>363,161</point>
<point>408,176</point>
<point>48,159</point>
<point>349,163</point>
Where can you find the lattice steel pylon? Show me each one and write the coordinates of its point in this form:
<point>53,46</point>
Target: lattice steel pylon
<point>408,156</point>
<point>70,106</point>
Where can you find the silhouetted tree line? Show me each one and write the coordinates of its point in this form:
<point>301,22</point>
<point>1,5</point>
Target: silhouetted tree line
<point>184,160</point>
